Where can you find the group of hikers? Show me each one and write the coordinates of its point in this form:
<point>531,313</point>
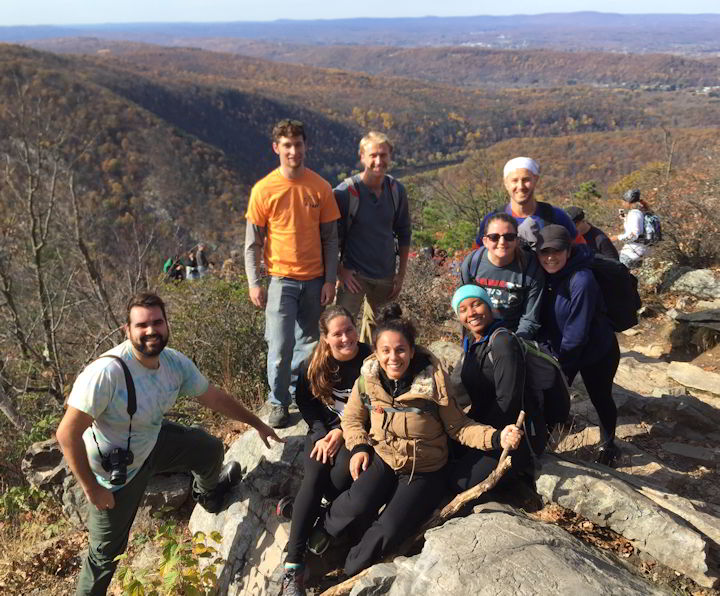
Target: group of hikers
<point>193,265</point>
<point>387,441</point>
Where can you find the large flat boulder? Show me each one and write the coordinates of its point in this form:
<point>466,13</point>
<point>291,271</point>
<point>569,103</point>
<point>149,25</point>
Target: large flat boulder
<point>501,552</point>
<point>694,377</point>
<point>701,283</point>
<point>608,501</point>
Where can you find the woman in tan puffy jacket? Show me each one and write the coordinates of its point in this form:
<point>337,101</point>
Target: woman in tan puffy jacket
<point>399,461</point>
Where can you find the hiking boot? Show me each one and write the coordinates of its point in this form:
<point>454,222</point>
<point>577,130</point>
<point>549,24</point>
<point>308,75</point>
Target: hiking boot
<point>293,582</point>
<point>319,541</point>
<point>607,455</point>
<point>212,501</point>
<point>284,507</point>
<point>279,416</point>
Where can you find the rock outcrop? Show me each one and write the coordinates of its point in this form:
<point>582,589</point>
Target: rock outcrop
<point>610,502</point>
<point>501,552</point>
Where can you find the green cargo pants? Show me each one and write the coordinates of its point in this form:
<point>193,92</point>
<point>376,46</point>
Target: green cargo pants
<point>178,449</point>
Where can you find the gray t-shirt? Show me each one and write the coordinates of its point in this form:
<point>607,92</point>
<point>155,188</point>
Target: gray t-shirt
<point>100,392</point>
<point>370,246</point>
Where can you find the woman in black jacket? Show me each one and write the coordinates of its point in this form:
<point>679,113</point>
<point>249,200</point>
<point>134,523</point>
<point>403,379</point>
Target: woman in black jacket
<point>493,374</point>
<point>324,385</point>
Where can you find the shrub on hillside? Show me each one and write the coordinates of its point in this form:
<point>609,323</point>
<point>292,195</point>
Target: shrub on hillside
<point>213,322</point>
<point>425,297</point>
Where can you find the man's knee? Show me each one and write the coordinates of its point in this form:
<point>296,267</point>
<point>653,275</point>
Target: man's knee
<point>201,441</point>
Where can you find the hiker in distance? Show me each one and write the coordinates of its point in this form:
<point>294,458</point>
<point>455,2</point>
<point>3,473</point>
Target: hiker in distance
<point>114,436</point>
<point>595,238</point>
<point>292,214</point>
<point>495,375</point>
<point>510,274</point>
<point>520,177</point>
<point>576,327</point>
<point>637,235</point>
<point>374,213</point>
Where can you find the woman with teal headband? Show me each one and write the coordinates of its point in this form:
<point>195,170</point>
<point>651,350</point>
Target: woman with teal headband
<point>493,374</point>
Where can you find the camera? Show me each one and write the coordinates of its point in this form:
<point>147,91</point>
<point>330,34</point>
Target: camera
<point>116,462</point>
<point>621,212</point>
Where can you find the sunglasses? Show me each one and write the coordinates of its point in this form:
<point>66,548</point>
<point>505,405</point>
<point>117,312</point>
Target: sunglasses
<point>509,237</point>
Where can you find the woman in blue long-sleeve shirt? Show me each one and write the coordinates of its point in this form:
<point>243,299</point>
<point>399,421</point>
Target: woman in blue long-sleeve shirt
<point>576,328</point>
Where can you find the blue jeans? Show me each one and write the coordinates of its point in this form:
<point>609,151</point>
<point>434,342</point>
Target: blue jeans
<point>291,330</point>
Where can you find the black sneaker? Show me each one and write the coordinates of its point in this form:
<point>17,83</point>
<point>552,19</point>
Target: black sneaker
<point>319,541</point>
<point>607,455</point>
<point>293,582</point>
<point>212,501</point>
<point>284,507</point>
<point>279,416</point>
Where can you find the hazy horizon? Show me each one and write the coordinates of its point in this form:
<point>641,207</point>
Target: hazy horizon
<point>81,13</point>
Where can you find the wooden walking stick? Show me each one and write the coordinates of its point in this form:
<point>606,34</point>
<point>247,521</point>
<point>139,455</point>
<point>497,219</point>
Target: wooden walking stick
<point>344,588</point>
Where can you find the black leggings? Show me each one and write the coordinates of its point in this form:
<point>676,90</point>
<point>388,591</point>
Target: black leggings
<point>471,466</point>
<point>319,480</point>
<point>598,379</point>
<point>408,505</point>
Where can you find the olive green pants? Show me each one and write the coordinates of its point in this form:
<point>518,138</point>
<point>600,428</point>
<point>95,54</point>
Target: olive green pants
<point>178,449</point>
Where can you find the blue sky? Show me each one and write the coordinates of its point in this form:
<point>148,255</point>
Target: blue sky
<point>61,12</point>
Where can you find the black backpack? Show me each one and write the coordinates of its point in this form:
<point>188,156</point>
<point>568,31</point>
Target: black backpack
<point>619,290</point>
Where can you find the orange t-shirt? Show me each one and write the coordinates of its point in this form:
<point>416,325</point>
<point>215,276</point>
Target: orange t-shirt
<point>292,211</point>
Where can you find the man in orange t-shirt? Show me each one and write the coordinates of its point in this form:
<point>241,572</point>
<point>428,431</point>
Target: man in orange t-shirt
<point>293,213</point>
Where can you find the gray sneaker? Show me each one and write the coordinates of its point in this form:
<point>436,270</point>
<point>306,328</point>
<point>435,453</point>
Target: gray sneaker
<point>279,416</point>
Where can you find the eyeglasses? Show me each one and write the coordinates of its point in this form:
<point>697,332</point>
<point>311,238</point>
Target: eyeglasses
<point>509,237</point>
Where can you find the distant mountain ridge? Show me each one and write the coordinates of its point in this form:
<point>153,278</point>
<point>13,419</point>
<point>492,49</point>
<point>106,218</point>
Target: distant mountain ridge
<point>678,33</point>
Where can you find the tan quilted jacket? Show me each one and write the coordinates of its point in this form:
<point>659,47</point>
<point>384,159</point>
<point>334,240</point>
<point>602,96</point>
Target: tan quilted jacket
<point>407,441</point>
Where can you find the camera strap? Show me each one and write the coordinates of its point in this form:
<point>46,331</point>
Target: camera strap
<point>131,401</point>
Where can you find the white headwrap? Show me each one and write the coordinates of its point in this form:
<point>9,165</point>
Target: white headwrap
<point>521,163</point>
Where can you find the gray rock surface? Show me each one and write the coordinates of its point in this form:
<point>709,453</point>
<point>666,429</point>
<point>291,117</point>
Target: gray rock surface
<point>692,451</point>
<point>254,537</point>
<point>44,465</point>
<point>451,355</point>
<point>694,377</point>
<point>701,283</point>
<point>607,501</point>
<point>501,553</point>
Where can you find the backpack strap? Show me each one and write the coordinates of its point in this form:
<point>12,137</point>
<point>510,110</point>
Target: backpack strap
<point>430,407</point>
<point>353,206</point>
<point>395,193</point>
<point>545,212</point>
<point>131,403</point>
<point>470,264</point>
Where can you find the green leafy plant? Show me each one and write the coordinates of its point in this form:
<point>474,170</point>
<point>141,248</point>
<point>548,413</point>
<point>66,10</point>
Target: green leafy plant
<point>21,499</point>
<point>179,570</point>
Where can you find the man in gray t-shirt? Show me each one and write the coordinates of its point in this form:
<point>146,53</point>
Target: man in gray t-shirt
<point>114,434</point>
<point>368,253</point>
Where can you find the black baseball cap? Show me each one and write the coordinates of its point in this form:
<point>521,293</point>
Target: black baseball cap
<point>553,236</point>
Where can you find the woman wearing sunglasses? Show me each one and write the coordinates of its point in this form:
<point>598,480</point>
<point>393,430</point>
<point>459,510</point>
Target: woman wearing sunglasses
<point>510,274</point>
<point>576,328</point>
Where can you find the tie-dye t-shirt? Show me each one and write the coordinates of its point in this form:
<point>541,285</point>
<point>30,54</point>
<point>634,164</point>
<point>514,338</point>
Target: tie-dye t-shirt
<point>100,392</point>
